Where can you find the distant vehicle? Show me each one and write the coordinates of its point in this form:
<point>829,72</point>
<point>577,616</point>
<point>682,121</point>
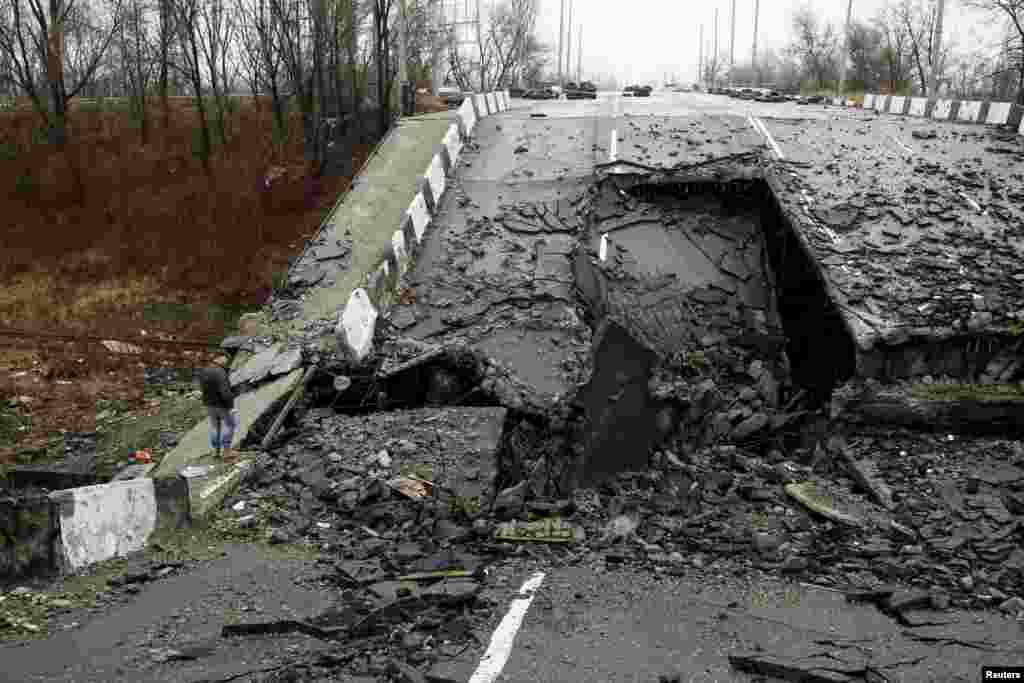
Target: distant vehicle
<point>451,96</point>
<point>811,99</point>
<point>582,91</point>
<point>628,92</point>
<point>771,96</point>
<point>643,91</point>
<point>516,92</point>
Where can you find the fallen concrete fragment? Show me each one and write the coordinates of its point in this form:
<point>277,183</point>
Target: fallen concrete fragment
<point>803,670</point>
<point>807,495</point>
<point>861,472</point>
<point>296,395</point>
<point>550,530</point>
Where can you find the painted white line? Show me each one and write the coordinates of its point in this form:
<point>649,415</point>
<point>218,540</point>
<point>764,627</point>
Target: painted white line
<point>613,150</point>
<point>602,252</point>
<point>771,140</point>
<point>497,654</point>
<point>900,143</point>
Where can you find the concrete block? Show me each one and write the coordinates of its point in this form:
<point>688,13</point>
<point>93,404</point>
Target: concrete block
<point>104,521</point>
<point>356,325</point>
<point>897,104</point>
<point>172,503</point>
<point>436,180</point>
<point>998,113</point>
<point>942,110</point>
<point>969,111</point>
<point>466,118</point>
<point>1020,129</point>
<point>420,216</point>
<point>869,101</point>
<point>918,106</point>
<point>508,98</point>
<point>492,103</point>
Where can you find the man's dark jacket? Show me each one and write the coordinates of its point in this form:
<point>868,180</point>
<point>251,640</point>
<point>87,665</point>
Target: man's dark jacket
<point>216,386</point>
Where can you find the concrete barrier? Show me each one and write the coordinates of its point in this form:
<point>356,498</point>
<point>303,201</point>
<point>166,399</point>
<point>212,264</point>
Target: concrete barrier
<point>435,178</point>
<point>357,323</point>
<point>492,103</point>
<point>453,143</point>
<point>1020,129</point>
<point>897,104</point>
<point>942,109</point>
<point>104,521</point>
<point>882,103</point>
<point>969,111</point>
<point>420,216</point>
<point>869,101</point>
<point>480,106</point>
<point>998,113</point>
<point>508,98</point>
<point>467,117</point>
<point>918,106</point>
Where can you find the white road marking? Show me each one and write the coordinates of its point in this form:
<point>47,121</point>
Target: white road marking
<point>771,140</point>
<point>614,148</point>
<point>900,143</point>
<point>602,252</point>
<point>494,660</point>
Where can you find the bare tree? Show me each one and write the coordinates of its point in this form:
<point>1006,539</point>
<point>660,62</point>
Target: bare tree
<point>187,22</point>
<point>814,44</point>
<point>215,36</point>
<point>137,64</point>
<point>1013,11</point>
<point>864,46</point>
<point>894,53</point>
<point>508,41</point>
<point>53,48</point>
<point>382,60</point>
<point>264,58</point>
<point>918,17</point>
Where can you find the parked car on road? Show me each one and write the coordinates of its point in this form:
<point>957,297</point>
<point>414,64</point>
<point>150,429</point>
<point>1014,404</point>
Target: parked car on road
<point>643,91</point>
<point>811,99</point>
<point>451,96</point>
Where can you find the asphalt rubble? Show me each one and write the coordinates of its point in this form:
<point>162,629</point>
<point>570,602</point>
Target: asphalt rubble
<point>423,469</point>
<point>420,472</point>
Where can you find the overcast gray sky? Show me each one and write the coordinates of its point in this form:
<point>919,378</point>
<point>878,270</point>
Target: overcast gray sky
<point>642,40</point>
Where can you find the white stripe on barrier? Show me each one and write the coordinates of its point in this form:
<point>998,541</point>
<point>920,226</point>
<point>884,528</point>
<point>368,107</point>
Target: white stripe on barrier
<point>942,109</point>
<point>918,106</point>
<point>869,101</point>
<point>492,103</point>
<point>1020,129</point>
<point>107,520</point>
<point>468,115</point>
<point>435,176</point>
<point>401,253</point>
<point>355,327</point>
<point>998,113</point>
<point>453,144</point>
<point>420,216</point>
<point>969,111</point>
<point>896,104</point>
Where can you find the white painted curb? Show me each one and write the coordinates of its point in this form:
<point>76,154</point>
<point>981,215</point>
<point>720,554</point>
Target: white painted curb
<point>998,113</point>
<point>1020,129</point>
<point>969,111</point>
<point>355,327</point>
<point>896,104</point>
<point>104,521</point>
<point>357,321</point>
<point>942,109</point>
<point>918,106</point>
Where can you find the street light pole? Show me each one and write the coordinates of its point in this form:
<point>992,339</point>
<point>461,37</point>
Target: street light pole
<point>700,58</point>
<point>732,44</point>
<point>579,56</point>
<point>753,52</point>
<point>846,49</point>
<point>568,44</point>
<point>561,34</point>
<point>714,76</point>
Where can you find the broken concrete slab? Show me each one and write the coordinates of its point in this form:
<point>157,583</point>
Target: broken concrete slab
<point>808,494</point>
<point>866,477</point>
<point>257,367</point>
<point>250,406</point>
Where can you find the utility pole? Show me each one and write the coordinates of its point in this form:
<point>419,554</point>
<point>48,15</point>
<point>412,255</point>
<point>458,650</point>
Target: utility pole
<point>579,56</point>
<point>561,34</point>
<point>480,47</point>
<point>700,58</point>
<point>753,52</point>
<point>714,76</point>
<point>732,43</point>
<point>846,48</point>
<point>568,44</point>
<point>933,80</point>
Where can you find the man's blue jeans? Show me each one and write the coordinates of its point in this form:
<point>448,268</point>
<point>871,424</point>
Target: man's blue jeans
<point>223,423</point>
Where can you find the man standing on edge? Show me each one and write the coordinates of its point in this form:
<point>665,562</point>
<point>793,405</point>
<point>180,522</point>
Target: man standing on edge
<point>220,405</point>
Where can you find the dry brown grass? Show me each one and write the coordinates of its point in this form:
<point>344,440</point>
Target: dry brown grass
<point>153,227</point>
